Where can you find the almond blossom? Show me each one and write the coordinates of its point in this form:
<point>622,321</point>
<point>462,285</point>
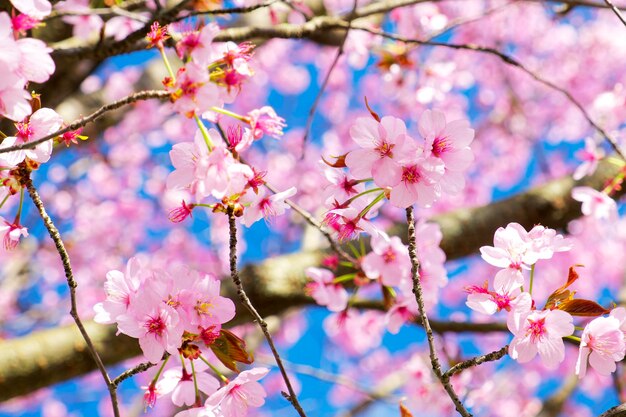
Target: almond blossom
<point>601,345</point>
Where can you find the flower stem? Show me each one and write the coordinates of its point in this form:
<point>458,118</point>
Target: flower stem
<point>370,205</point>
<point>574,338</point>
<point>351,199</point>
<point>167,63</point>
<point>532,277</point>
<point>19,208</point>
<point>225,112</point>
<point>215,370</point>
<point>156,377</point>
<point>4,200</point>
<point>344,278</point>
<point>195,383</point>
<point>205,133</point>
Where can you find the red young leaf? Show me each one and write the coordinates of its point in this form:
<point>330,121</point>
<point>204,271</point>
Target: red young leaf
<point>339,163</point>
<point>586,308</point>
<point>562,294</point>
<point>404,412</point>
<point>229,348</point>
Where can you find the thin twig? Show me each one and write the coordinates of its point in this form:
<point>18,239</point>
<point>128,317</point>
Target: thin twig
<point>228,10</point>
<point>71,282</point>
<point>232,223</point>
<point>320,93</point>
<point>142,367</point>
<point>308,217</point>
<point>489,357</point>
<point>326,376</point>
<point>83,121</point>
<point>508,60</point>
<point>417,290</point>
<point>616,11</point>
<point>311,220</point>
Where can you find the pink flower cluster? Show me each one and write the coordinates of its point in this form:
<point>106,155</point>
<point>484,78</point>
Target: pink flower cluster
<point>22,60</point>
<point>415,172</point>
<point>602,342</point>
<point>156,307</point>
<point>212,171</point>
<point>387,265</point>
<point>404,170</point>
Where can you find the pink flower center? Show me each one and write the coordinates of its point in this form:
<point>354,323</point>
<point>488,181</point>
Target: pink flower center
<point>389,256</point>
<point>502,301</point>
<point>24,131</point>
<point>204,308</point>
<point>411,174</point>
<point>536,329</point>
<point>441,146</point>
<point>385,149</point>
<point>155,325</point>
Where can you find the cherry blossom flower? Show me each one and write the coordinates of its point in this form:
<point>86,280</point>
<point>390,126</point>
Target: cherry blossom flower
<point>12,233</point>
<point>507,284</point>
<point>383,146</point>
<point>595,203</point>
<point>512,248</point>
<point>590,156</point>
<point>342,185</point>
<point>155,324</point>
<point>404,310</point>
<point>450,143</point>
<point>180,213</point>
<point>324,290</point>
<point>119,287</point>
<point>419,183</point>
<point>41,123</point>
<point>37,9</point>
<point>262,206</point>
<point>540,332</point>
<point>388,260</point>
<point>192,92</point>
<point>205,173</point>
<point>237,396</point>
<point>601,344</point>
<point>181,384</point>
<point>265,121</point>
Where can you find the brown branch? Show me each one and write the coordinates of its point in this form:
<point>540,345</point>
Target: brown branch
<point>71,282</point>
<point>616,11</point>
<point>553,405</point>
<point>83,121</point>
<point>142,367</point>
<point>234,274</point>
<point>478,360</point>
<point>417,290</point>
<point>320,93</point>
<point>618,411</point>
